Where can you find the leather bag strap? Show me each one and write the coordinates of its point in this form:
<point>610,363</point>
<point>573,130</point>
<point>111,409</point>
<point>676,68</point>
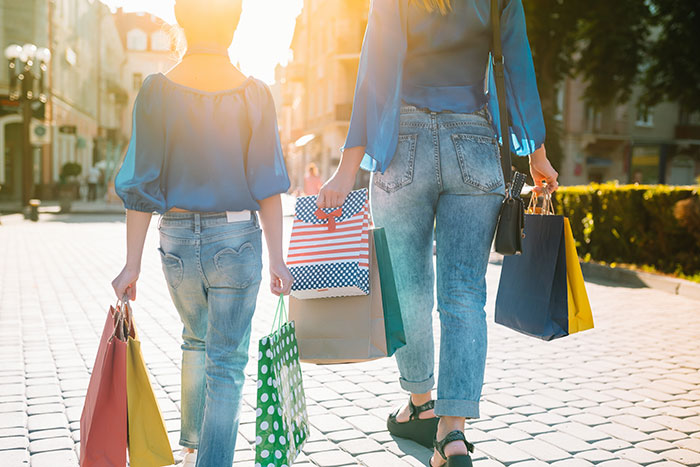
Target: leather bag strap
<point>500,79</point>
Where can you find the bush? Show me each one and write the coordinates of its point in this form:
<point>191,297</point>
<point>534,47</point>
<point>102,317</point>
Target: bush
<point>70,169</point>
<point>645,225</point>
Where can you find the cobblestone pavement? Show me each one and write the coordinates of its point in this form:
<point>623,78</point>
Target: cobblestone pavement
<point>624,394</point>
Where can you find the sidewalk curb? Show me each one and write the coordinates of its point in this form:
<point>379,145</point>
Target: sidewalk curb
<point>631,278</point>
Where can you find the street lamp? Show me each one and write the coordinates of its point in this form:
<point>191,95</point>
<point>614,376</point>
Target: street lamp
<point>28,65</point>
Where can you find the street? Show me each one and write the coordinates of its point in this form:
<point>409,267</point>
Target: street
<point>624,394</point>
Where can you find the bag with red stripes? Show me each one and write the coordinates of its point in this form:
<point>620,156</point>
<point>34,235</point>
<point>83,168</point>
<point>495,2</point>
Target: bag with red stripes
<point>329,250</point>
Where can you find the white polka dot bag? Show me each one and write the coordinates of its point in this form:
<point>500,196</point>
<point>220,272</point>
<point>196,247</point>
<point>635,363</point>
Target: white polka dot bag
<point>282,423</point>
<point>329,248</point>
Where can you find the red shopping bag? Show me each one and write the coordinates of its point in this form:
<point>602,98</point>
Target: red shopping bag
<point>103,426</point>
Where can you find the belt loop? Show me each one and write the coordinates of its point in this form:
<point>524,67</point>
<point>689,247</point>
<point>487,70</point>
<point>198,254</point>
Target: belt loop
<point>254,215</point>
<point>197,223</point>
<point>160,221</point>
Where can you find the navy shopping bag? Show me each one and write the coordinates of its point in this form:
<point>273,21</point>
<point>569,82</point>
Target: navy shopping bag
<point>532,293</point>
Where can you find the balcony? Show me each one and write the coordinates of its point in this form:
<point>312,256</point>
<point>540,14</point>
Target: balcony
<point>688,132</point>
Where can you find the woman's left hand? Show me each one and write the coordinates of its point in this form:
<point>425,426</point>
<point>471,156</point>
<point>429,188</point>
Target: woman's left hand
<point>125,282</point>
<point>281,279</point>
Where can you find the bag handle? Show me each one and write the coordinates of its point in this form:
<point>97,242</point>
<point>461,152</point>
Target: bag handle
<point>500,79</point>
<point>280,315</point>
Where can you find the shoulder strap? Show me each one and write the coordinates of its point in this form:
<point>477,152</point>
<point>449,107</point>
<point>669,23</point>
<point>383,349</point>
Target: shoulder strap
<point>499,78</point>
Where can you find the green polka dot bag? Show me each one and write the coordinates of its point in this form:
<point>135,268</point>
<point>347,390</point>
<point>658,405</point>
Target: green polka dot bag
<point>282,423</point>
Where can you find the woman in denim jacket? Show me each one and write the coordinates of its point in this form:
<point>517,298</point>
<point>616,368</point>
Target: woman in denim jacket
<point>422,122</point>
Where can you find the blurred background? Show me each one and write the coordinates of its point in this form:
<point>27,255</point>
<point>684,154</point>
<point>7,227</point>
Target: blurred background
<point>619,83</point>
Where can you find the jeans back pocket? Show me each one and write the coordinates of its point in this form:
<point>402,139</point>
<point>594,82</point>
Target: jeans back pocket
<point>173,268</point>
<point>400,170</point>
<point>239,267</point>
<point>479,161</point>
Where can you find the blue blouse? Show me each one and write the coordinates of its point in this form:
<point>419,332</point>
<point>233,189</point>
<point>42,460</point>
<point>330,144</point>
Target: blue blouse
<point>202,151</point>
<point>441,63</point>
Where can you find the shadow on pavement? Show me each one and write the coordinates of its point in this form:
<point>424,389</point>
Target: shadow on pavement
<point>413,449</point>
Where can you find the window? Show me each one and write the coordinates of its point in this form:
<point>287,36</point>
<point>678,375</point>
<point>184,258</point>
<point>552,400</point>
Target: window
<point>138,80</point>
<point>136,39</point>
<point>160,41</point>
<point>645,117</point>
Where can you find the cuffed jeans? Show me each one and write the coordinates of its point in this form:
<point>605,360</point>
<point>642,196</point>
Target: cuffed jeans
<point>445,179</point>
<point>213,270</point>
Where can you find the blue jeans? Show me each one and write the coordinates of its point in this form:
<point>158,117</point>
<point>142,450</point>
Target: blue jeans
<point>445,178</point>
<point>213,270</point>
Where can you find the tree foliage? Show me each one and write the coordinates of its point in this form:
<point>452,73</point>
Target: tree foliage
<point>674,66</point>
<point>607,44</point>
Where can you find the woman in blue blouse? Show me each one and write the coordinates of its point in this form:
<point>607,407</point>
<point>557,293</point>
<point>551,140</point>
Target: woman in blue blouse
<point>205,152</point>
<point>423,122</point>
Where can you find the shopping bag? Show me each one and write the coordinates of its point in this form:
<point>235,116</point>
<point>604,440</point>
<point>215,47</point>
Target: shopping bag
<point>149,445</point>
<point>329,251</point>
<point>282,424</point>
<point>580,314</point>
<point>393,321</point>
<point>541,292</point>
<point>352,329</point>
<point>103,420</point>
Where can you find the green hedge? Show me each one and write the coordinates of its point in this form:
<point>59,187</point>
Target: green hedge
<point>645,225</point>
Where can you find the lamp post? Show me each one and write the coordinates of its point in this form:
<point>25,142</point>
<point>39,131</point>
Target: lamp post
<point>28,65</point>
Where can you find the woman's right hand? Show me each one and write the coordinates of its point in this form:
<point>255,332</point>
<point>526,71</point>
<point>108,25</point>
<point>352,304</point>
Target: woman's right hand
<point>125,282</point>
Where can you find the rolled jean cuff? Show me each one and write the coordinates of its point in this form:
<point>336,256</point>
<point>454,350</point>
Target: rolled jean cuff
<point>456,408</point>
<point>418,387</point>
<point>187,444</point>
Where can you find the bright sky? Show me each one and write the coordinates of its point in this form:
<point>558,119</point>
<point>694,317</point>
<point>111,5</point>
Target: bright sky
<point>263,36</point>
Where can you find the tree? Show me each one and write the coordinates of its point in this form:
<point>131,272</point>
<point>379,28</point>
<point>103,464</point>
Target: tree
<point>601,41</point>
<point>674,67</point>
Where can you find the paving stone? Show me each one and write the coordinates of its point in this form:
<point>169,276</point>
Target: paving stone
<point>367,423</point>
<point>9,432</point>
<point>542,450</point>
<point>683,456</point>
<point>655,445</point>
<point>344,435</point>
<point>618,463</point>
<point>54,459</point>
<point>669,435</point>
<point>596,455</point>
<point>50,444</point>
<point>332,458</point>
<point>509,435</point>
<point>572,463</point>
<point>566,442</point>
<point>329,422</point>
<point>13,442</point>
<point>639,455</point>
<point>356,447</point>
<point>13,420</point>
<point>45,408</point>
<point>612,444</point>
<point>381,459</point>
<point>676,424</point>
<point>503,452</point>
<point>582,432</point>
<point>14,458</point>
<point>533,428</point>
<point>46,422</point>
<point>692,444</point>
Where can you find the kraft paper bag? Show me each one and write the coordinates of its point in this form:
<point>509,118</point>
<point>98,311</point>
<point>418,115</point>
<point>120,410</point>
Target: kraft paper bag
<point>342,329</point>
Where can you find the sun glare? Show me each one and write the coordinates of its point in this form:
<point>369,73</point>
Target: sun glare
<point>263,36</point>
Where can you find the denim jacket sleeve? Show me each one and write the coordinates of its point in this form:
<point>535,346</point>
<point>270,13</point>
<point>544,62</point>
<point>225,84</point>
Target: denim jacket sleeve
<point>138,182</point>
<point>527,130</point>
<point>375,115</point>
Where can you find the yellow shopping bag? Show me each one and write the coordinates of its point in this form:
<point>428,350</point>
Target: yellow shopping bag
<point>148,439</point>
<point>580,315</point>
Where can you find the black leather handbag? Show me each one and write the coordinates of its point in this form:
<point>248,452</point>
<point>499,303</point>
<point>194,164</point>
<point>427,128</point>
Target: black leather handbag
<point>511,219</point>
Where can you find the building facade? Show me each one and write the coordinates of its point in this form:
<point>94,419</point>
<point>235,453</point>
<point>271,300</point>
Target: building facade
<point>86,94</point>
<point>318,84</point>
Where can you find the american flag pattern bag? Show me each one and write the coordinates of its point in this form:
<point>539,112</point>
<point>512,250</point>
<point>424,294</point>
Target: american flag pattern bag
<point>329,250</point>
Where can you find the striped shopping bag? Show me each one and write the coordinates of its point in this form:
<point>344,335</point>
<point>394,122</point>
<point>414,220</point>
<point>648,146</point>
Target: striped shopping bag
<point>329,249</point>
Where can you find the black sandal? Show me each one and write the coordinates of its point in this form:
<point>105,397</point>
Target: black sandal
<point>420,430</point>
<point>454,461</point>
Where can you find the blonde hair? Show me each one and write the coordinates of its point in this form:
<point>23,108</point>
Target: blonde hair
<point>443,6</point>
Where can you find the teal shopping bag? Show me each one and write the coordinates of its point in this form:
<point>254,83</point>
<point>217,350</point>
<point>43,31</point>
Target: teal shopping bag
<point>282,423</point>
<point>393,322</point>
